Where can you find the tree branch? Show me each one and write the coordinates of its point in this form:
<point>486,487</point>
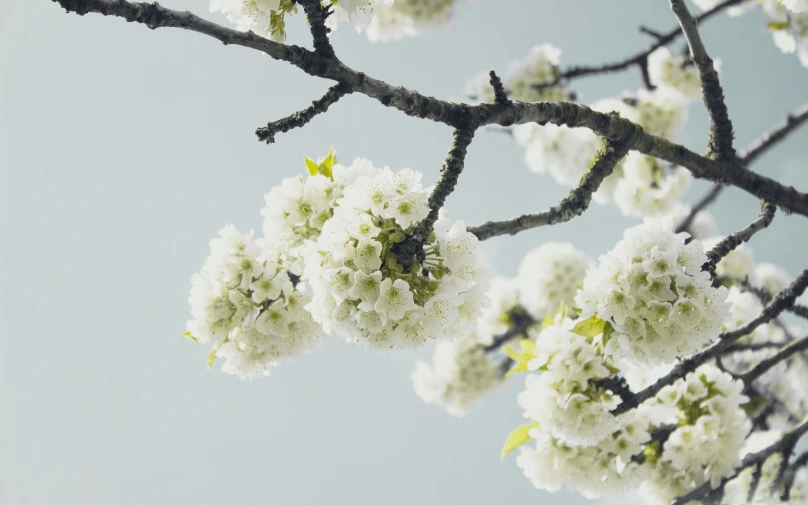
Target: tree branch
<point>301,118</point>
<point>573,205</point>
<point>766,364</point>
<point>783,300</point>
<point>316,13</point>
<point>460,116</point>
<point>636,59</point>
<point>786,443</point>
<point>748,156</point>
<point>732,241</point>
<point>449,174</point>
<point>721,132</point>
<point>799,310</point>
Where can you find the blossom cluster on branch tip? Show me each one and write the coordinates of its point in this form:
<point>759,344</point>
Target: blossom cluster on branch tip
<point>299,207</point>
<point>380,20</point>
<point>461,373</point>
<point>692,432</point>
<point>653,293</point>
<point>246,305</point>
<point>351,236</point>
<point>371,288</point>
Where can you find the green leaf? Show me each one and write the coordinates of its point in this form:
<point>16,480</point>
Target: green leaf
<point>576,310</point>
<point>211,357</point>
<point>591,327</point>
<point>548,320</point>
<point>188,335</point>
<point>312,166</point>
<point>516,438</point>
<point>774,25</point>
<point>528,352</point>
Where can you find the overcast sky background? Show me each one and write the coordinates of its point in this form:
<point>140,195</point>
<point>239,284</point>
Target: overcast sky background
<point>124,150</point>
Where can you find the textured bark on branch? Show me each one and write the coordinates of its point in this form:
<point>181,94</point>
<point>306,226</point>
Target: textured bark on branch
<point>461,115</point>
<point>721,132</point>
<point>573,205</point>
<point>732,241</point>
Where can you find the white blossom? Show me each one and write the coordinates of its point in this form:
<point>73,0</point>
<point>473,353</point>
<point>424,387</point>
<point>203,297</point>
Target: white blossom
<point>501,313</point>
<point>254,15</point>
<point>708,439</point>
<point>361,288</point>
<point>297,209</point>
<point>549,276</point>
<point>533,79</point>
<point>701,227</point>
<point>360,13</point>
<point>245,305</point>
<point>408,18</point>
<point>564,400</point>
<point>796,5</point>
<point>771,278</point>
<point>461,373</point>
<point>789,29</point>
<point>650,288</point>
<point>648,187</point>
<point>676,72</point>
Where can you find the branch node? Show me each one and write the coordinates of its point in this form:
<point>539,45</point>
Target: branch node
<point>500,97</point>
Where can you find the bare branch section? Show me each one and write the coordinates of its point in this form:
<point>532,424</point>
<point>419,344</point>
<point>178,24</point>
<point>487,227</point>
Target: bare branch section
<point>731,242</point>
<point>763,296</point>
<point>781,302</point>
<point>412,248</point>
<point>706,200</point>
<point>461,116</point>
<point>573,205</point>
<point>449,174</point>
<point>316,15</point>
<point>301,118</point>
<point>784,446</point>
<point>500,96</point>
<point>767,364</point>
<point>663,39</point>
<point>749,155</point>
<point>721,132</point>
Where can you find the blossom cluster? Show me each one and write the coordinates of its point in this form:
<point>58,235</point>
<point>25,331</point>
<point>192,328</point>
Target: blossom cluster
<point>245,305</point>
<point>709,429</point>
<point>692,432</point>
<point>408,18</point>
<point>371,289</point>
<point>534,78</point>
<point>653,293</point>
<point>462,371</point>
<point>298,208</point>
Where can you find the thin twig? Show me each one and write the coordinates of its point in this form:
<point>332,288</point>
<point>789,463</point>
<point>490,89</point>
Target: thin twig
<point>301,118</point>
<point>748,156</point>
<point>732,241</point>
<point>721,132</point>
<point>767,364</point>
<point>573,205</point>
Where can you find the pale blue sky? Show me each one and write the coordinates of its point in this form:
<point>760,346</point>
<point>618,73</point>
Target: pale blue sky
<point>124,150</point>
